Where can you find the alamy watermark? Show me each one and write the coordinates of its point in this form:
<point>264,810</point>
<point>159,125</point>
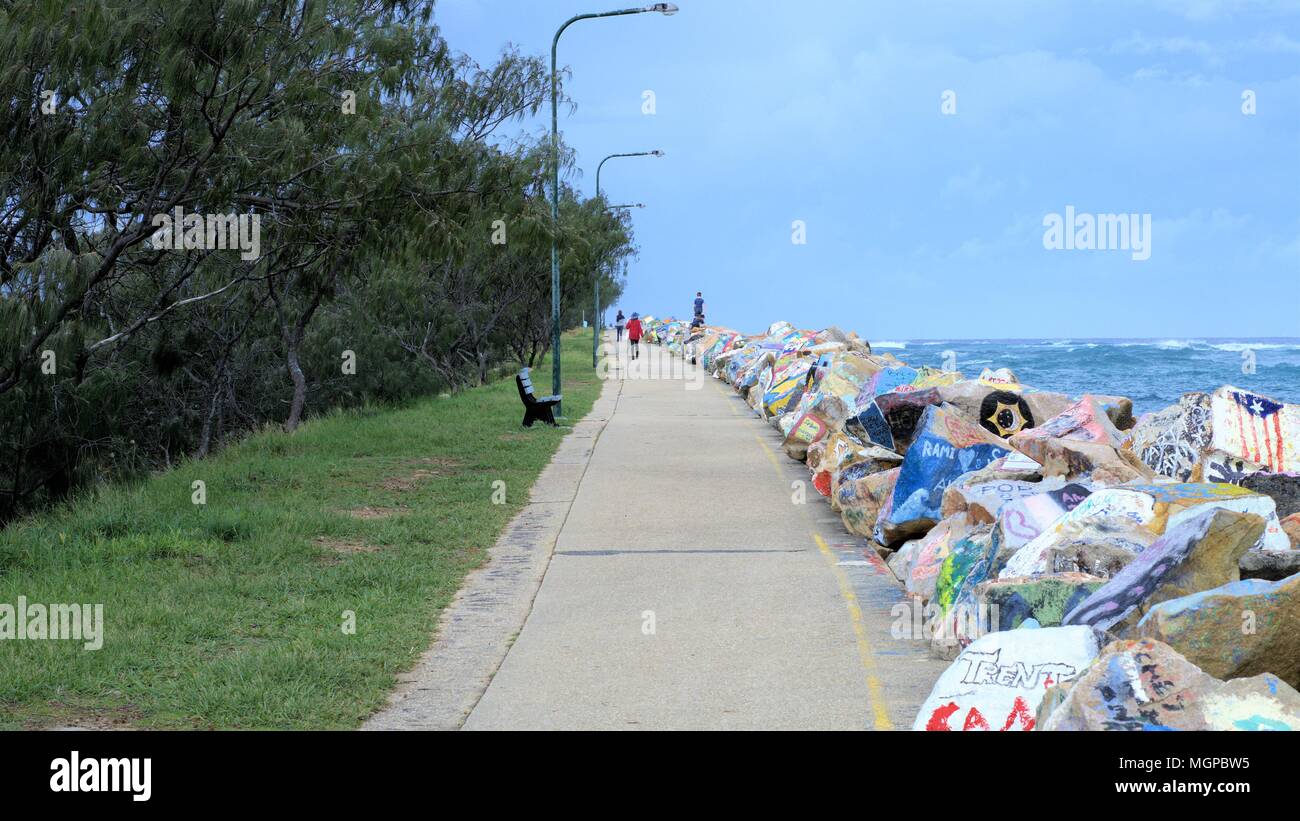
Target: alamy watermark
<point>53,622</point>
<point>179,231</point>
<point>1098,232</point>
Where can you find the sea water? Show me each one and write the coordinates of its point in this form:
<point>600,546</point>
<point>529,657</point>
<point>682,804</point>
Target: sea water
<point>1151,372</point>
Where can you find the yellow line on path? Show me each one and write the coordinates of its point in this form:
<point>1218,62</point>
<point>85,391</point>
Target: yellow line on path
<point>860,631</point>
<point>865,653</point>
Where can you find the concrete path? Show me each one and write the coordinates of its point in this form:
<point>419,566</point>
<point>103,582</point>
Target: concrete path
<point>688,590</point>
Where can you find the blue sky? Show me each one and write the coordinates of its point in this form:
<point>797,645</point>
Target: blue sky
<point>921,224</point>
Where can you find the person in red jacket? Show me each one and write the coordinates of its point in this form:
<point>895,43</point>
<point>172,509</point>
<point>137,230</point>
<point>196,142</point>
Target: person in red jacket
<point>634,333</point>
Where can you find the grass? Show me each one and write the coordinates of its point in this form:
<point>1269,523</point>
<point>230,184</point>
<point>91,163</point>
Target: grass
<point>230,614</point>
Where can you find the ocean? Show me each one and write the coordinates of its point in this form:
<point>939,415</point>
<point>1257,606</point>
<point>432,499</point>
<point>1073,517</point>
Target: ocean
<point>1151,372</point>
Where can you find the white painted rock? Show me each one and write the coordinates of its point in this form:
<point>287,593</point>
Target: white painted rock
<point>998,681</point>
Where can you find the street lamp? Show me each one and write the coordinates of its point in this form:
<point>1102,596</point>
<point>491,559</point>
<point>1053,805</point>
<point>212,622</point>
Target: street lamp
<point>595,337</point>
<point>667,9</point>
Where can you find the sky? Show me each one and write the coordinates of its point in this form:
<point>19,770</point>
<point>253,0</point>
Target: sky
<point>924,147</point>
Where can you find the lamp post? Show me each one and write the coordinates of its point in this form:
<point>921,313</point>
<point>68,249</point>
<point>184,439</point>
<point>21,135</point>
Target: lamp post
<point>666,9</point>
<point>595,337</point>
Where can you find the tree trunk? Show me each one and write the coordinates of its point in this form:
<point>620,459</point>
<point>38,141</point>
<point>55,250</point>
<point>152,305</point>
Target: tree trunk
<point>299,388</point>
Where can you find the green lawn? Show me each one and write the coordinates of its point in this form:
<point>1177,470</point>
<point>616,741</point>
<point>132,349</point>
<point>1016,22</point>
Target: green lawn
<point>229,615</point>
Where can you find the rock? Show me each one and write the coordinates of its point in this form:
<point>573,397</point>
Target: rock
<point>1291,527</point>
<point>1170,441</point>
<point>861,500</point>
<point>1269,565</point>
<point>934,549</point>
<point>1147,685</point>
<point>1195,555</point>
<point>900,563</point>
<point>890,419</point>
<point>1282,488</point>
<point>1078,441</point>
<point>788,380</point>
<point>982,501</point>
<point>1020,521</point>
<point>1108,525</point>
<point>1253,427</point>
<point>1088,556</point>
<point>1044,599</point>
<point>1236,630</point>
<point>945,447</point>
<point>830,400</point>
<point>1152,508</point>
<point>998,681</point>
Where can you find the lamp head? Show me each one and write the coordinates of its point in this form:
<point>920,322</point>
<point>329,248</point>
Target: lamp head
<point>666,9</point>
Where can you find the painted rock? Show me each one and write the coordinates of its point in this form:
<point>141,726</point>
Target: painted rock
<point>1046,599</point>
<point>1020,521</point>
<point>934,547</point>
<point>1077,442</point>
<point>1195,555</point>
<point>1253,427</point>
<point>1170,441</point>
<point>1093,556</point>
<point>1291,527</point>
<point>983,500</point>
<point>946,446</point>
<point>890,419</point>
<point>1236,630</point>
<point>1147,685</point>
<point>1153,507</point>
<point>997,682</point>
<point>861,500</point>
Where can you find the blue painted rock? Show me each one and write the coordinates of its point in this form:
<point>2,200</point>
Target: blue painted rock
<point>890,419</point>
<point>946,446</point>
<point>998,681</point>
<point>1147,685</point>
<point>1235,630</point>
<point>1197,555</point>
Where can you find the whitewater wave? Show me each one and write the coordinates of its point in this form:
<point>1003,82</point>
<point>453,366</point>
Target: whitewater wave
<point>898,346</point>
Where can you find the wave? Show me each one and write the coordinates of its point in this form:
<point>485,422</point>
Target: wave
<point>898,346</point>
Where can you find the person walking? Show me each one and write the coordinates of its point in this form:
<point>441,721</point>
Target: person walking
<point>699,303</point>
<point>634,333</point>
<point>618,326</point>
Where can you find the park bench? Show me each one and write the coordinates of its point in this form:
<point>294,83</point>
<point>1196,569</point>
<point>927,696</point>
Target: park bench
<point>535,407</point>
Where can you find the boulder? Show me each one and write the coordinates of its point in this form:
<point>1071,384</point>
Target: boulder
<point>1090,556</point>
<point>1077,442</point>
<point>1282,488</point>
<point>1147,685</point>
<point>1195,555</point>
<point>1269,565</point>
<point>861,500</point>
<point>1236,630</point>
<point>900,562</point>
<point>1150,507</point>
<point>1170,441</point>
<point>890,419</point>
<point>1253,427</point>
<point>1020,521</point>
<point>1044,599</point>
<point>997,682</point>
<point>946,446</point>
<point>1291,527</point>
<point>935,547</point>
<point>982,501</point>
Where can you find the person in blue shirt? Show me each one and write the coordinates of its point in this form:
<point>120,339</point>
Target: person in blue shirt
<point>699,303</point>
